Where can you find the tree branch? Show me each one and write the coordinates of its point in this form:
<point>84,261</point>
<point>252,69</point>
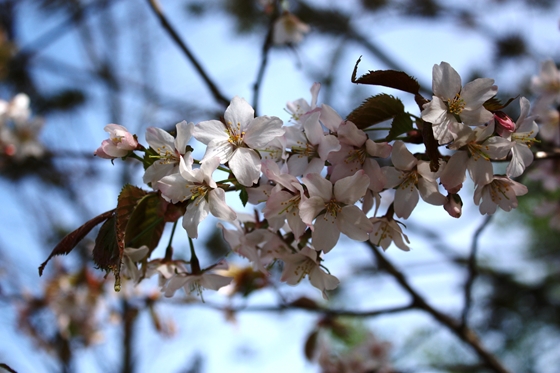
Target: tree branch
<point>218,96</point>
<point>472,267</point>
<point>464,333</point>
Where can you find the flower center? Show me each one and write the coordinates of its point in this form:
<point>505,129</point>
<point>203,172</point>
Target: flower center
<point>456,105</point>
<point>498,189</point>
<point>333,207</point>
<point>478,151</point>
<point>305,149</point>
<point>235,134</point>
<point>409,180</point>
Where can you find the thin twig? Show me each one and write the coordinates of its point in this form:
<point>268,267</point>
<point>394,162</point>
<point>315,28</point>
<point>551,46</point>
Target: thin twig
<point>264,61</point>
<point>472,267</point>
<point>311,308</point>
<point>464,333</point>
<point>218,96</point>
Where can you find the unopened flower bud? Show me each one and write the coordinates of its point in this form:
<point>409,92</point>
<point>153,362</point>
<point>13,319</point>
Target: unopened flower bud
<point>454,205</point>
<point>504,125</point>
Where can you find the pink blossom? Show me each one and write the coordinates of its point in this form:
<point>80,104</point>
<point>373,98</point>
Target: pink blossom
<point>501,191</point>
<point>119,144</point>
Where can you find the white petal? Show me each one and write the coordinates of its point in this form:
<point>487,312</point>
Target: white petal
<point>446,81</point>
<point>406,200</point>
<point>350,189</point>
<point>210,130</point>
<point>197,211</point>
<point>184,134</point>
<point>218,206</point>
<point>353,222</point>
<point>318,186</point>
<point>238,114</point>
<point>262,130</point>
<point>246,166</point>
<point>326,233</point>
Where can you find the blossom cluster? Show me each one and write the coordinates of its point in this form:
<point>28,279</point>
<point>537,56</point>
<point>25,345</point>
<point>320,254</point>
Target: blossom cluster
<point>18,130</point>
<point>320,176</point>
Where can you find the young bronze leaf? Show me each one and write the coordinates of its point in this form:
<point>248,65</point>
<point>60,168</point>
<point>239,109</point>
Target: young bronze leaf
<point>107,253</point>
<point>493,104</point>
<point>376,109</point>
<point>146,222</point>
<point>127,202</point>
<point>388,78</point>
<point>72,239</point>
<point>401,124</point>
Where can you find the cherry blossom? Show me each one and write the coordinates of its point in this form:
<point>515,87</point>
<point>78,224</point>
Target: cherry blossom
<point>169,151</point>
<point>119,144</point>
<point>190,282</point>
<point>340,214</point>
<point>547,84</point>
<point>288,29</point>
<point>309,148</point>
<point>500,191</point>
<point>305,263</point>
<point>237,140</point>
<point>205,196</point>
<point>410,177</point>
<point>524,135</point>
<point>386,231</point>
<point>475,148</point>
<point>300,107</point>
<point>453,104</point>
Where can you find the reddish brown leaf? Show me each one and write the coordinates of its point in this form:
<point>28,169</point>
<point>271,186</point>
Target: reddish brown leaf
<point>107,254</point>
<point>311,345</point>
<point>388,78</point>
<point>72,239</point>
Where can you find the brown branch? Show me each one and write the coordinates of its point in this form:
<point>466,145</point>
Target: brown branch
<point>218,96</point>
<point>264,61</point>
<point>308,306</point>
<point>464,333</point>
<point>473,272</point>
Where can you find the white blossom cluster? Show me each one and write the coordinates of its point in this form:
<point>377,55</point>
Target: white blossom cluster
<point>18,131</point>
<point>320,176</point>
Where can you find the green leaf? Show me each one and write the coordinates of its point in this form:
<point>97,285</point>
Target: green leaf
<point>376,109</point>
<point>401,124</point>
<point>107,253</point>
<point>244,196</point>
<point>388,78</point>
<point>73,238</point>
<point>146,222</point>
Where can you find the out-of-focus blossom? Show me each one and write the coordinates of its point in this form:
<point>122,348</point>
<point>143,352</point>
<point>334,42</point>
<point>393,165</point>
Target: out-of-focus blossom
<point>197,282</point>
<point>547,83</point>
<point>288,29</point>
<point>305,263</point>
<point>386,231</point>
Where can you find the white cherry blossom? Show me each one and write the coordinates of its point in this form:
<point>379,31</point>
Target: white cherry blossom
<point>501,191</point>
<point>305,263</point>
<point>387,231</point>
<point>411,177</point>
<point>333,206</point>
<point>198,186</point>
<point>453,104</point>
<point>237,141</point>
<point>169,151</point>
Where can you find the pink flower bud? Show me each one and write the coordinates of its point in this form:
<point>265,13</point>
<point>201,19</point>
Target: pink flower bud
<point>454,205</point>
<point>504,124</point>
<point>119,144</point>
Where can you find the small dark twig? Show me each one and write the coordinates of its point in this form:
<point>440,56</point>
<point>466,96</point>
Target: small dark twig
<point>464,333</point>
<point>473,272</point>
<point>218,96</point>
<point>264,61</point>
